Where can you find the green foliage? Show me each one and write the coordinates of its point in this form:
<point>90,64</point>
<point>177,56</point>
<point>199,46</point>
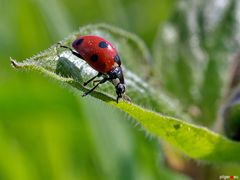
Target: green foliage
<point>48,133</point>
<point>197,142</point>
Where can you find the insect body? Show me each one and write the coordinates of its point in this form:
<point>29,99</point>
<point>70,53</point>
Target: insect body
<point>103,57</point>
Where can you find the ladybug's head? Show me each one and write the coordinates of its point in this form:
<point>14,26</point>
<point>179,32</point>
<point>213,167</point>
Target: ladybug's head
<point>120,90</point>
<point>116,76</point>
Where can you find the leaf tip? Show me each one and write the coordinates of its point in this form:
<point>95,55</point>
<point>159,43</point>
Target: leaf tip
<point>14,63</point>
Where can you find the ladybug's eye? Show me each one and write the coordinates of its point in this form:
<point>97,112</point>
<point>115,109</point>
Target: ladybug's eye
<point>103,44</point>
<point>120,89</point>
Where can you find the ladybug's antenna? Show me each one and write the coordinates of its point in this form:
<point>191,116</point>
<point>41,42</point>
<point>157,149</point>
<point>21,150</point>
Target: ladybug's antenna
<point>123,96</point>
<point>126,98</point>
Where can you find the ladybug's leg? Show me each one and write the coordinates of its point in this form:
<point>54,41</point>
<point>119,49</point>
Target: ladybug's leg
<point>73,52</point>
<point>91,90</point>
<point>98,75</point>
<point>118,97</point>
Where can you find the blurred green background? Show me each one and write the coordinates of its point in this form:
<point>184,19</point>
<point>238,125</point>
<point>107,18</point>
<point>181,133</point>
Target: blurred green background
<point>46,131</point>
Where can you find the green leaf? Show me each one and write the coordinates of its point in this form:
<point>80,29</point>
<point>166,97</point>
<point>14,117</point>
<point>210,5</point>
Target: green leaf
<point>196,142</point>
<point>134,56</point>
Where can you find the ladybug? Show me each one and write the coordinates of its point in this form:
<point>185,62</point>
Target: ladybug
<point>102,56</point>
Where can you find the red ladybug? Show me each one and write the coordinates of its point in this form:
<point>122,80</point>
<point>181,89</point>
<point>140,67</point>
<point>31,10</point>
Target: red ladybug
<point>103,57</point>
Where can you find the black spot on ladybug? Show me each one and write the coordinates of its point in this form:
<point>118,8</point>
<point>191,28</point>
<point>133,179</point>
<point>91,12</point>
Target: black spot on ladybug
<point>117,59</point>
<point>103,44</point>
<point>78,42</point>
<point>94,57</point>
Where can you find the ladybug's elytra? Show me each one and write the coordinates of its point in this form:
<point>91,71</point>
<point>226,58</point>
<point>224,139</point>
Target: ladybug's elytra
<point>103,57</point>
